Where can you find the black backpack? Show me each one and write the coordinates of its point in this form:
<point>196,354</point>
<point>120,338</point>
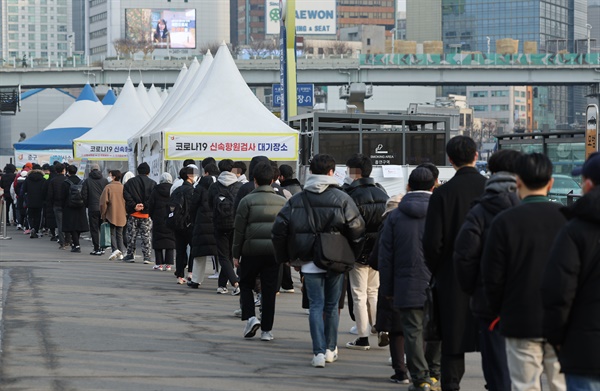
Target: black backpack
<point>224,208</point>
<point>74,195</point>
<point>178,217</point>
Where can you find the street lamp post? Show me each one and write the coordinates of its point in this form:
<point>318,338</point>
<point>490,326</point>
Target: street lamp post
<point>589,30</point>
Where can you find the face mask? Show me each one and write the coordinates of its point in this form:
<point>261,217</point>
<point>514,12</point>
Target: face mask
<point>348,180</point>
<point>109,179</point>
<point>195,177</point>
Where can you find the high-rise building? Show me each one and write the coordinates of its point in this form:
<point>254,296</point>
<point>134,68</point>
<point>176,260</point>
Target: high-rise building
<point>192,25</point>
<point>252,17</point>
<point>555,25</point>
<point>36,29</point>
<point>593,19</point>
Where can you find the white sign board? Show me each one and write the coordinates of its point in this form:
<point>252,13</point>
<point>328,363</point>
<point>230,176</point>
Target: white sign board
<point>155,166</point>
<point>102,150</point>
<point>236,146</point>
<point>42,157</point>
<point>591,130</point>
<point>313,17</point>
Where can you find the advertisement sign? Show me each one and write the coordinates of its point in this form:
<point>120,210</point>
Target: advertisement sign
<point>43,157</point>
<point>102,150</point>
<point>304,92</point>
<point>313,17</point>
<point>164,28</point>
<point>591,130</point>
<point>236,146</point>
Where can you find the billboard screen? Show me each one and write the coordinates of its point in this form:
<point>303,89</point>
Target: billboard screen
<point>166,28</point>
<point>313,17</point>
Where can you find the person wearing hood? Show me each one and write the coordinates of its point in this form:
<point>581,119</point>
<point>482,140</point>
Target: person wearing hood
<point>221,196</point>
<point>239,169</point>
<point>91,192</point>
<point>500,194</point>
<point>570,285</point>
<point>74,218</point>
<point>33,195</point>
<point>163,237</point>
<point>294,242</point>
<point>6,181</point>
<point>405,277</point>
<point>137,192</point>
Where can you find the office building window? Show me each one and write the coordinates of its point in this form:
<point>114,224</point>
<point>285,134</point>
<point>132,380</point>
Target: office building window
<point>499,108</point>
<point>479,108</point>
<point>499,93</point>
<point>13,27</point>
<point>479,94</point>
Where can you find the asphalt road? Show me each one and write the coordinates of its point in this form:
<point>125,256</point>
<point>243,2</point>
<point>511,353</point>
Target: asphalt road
<point>81,322</point>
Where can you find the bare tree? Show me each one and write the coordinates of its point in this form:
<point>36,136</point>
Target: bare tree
<point>339,47</point>
<point>212,46</point>
<point>146,46</point>
<point>125,47</point>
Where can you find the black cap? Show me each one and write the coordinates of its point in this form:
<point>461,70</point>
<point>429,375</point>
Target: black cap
<point>590,169</point>
<point>421,178</point>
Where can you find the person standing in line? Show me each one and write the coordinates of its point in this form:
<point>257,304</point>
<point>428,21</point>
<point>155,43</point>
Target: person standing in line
<point>91,191</point>
<point>364,280</point>
<point>572,313</point>
<point>6,182</point>
<point>182,196</point>
<point>49,218</point>
<point>178,182</point>
<point>163,237</point>
<point>209,176</point>
<point>221,199</point>
<point>500,194</point>
<point>514,258</point>
<point>294,240</point>
<point>74,218</point>
<point>253,252</point>
<point>32,193</point>
<point>112,209</point>
<point>287,180</point>
<point>448,207</point>
<point>137,192</point>
<point>55,198</point>
<point>21,206</point>
<point>404,278</point>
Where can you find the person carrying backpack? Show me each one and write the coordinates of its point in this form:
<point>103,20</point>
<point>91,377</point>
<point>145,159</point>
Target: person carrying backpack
<point>74,218</point>
<point>178,219</point>
<point>221,198</point>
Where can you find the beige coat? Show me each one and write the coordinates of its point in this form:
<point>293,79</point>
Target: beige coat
<point>112,204</point>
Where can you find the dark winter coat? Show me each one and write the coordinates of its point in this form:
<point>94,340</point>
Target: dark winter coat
<point>18,185</point>
<point>514,259</point>
<point>188,191</point>
<point>92,190</point>
<point>226,182</point>
<point>33,189</point>
<point>55,190</point>
<point>402,270</point>
<point>500,194</point>
<point>570,289</point>
<point>6,182</point>
<point>254,219</point>
<point>448,207</point>
<point>248,187</point>
<point>203,239</point>
<point>370,200</point>
<point>292,185</point>
<point>49,215</point>
<point>163,237</point>
<point>137,190</point>
<point>74,219</point>
<point>334,211</point>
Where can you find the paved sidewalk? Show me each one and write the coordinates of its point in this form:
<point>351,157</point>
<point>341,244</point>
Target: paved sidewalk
<point>81,322</point>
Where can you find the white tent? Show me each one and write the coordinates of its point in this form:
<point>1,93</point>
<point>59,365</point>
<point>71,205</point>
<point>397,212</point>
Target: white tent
<point>154,97</point>
<point>226,120</point>
<point>164,95</point>
<point>145,99</point>
<point>108,139</point>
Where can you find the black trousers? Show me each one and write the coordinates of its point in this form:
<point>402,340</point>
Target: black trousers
<point>75,238</point>
<point>453,369</point>
<point>224,242</point>
<point>35,218</point>
<point>94,220</point>
<point>8,205</point>
<point>250,268</point>
<point>285,277</point>
<point>164,256</point>
<point>182,240</point>
<point>493,358</point>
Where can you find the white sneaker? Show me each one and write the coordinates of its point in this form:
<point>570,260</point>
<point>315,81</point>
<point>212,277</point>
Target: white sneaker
<point>222,290</point>
<point>266,336</point>
<point>331,356</point>
<point>236,291</point>
<point>318,360</point>
<point>115,254</point>
<point>353,330</point>
<point>252,325</point>
<point>238,313</point>
<point>214,276</point>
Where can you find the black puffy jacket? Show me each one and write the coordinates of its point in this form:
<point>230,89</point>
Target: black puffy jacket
<point>55,190</point>
<point>203,240</point>
<point>92,190</point>
<point>292,185</point>
<point>163,237</point>
<point>570,289</point>
<point>334,211</point>
<point>137,190</point>
<point>6,181</point>
<point>370,200</point>
<point>500,194</point>
<point>33,189</point>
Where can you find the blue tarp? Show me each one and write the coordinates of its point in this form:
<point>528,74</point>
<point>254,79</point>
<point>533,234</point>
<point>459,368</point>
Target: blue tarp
<point>52,139</point>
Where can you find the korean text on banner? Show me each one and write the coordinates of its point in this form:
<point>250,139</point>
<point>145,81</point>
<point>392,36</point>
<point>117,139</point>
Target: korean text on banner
<point>104,150</point>
<point>240,146</point>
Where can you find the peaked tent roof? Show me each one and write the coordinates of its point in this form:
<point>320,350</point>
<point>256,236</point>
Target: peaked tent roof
<point>145,99</point>
<point>154,97</point>
<point>164,95</point>
<point>80,117</point>
<point>225,103</point>
<point>107,140</point>
<point>110,98</point>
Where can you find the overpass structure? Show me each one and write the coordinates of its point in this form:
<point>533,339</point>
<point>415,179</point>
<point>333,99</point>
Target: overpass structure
<point>385,69</point>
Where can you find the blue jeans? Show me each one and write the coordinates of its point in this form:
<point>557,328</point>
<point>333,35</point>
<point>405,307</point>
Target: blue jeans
<point>582,383</point>
<point>323,291</point>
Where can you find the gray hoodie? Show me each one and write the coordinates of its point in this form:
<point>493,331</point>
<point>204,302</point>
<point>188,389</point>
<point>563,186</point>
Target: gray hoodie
<point>319,183</point>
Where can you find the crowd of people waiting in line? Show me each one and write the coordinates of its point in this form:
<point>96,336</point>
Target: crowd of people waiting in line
<point>513,274</point>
